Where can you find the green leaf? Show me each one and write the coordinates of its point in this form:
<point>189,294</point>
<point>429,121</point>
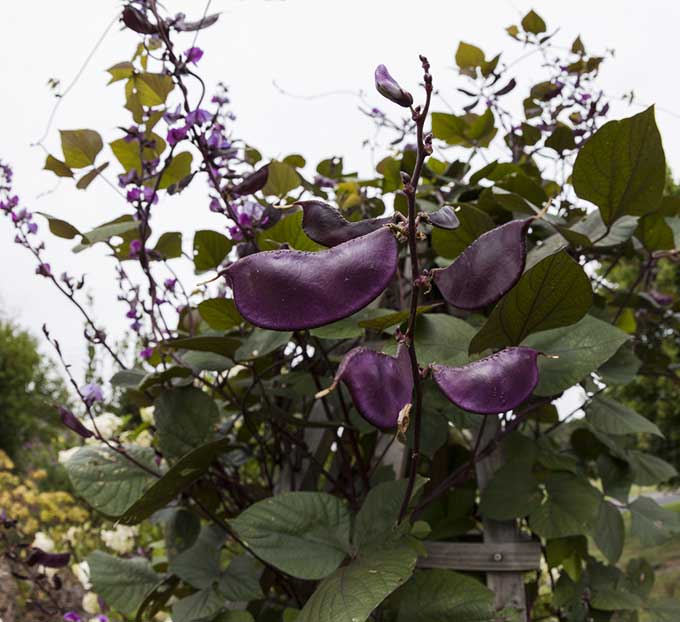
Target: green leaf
<point>178,478</point>
<point>241,580</point>
<point>570,509</point>
<point>581,348</point>
<point>468,56</point>
<point>169,245</point>
<point>119,227</point>
<point>468,130</point>
<point>80,147</point>
<point>121,71</point>
<point>376,522</point>
<point>649,470</point>
<point>473,222</point>
<point>224,346</point>
<point>437,595</point>
<point>282,178</point>
<point>613,599</point>
<point>512,492</point>
<point>651,523</point>
<point>59,227</point>
<point>199,565</point>
<point>58,167</point>
<point>181,531</point>
<point>122,583</point>
<point>261,342</point>
<point>305,534</point>
<point>382,322</point>
<point>210,249</point>
<point>555,292</point>
<point>612,417</point>
<point>287,231</point>
<point>609,533</point>
<point>442,338</point>
<point>85,181</point>
<point>184,419</point>
<point>532,22</point>
<point>622,168</point>
<point>352,592</point>
<point>153,88</point>
<point>348,328</point>
<point>108,481</point>
<point>622,367</point>
<point>220,313</point>
<point>177,170</point>
<point>200,606</point>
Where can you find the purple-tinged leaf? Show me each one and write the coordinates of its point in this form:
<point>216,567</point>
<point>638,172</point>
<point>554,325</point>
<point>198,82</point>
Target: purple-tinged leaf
<point>444,218</point>
<point>492,385</point>
<point>388,87</point>
<point>380,385</point>
<point>294,290</point>
<point>49,560</point>
<point>252,183</point>
<point>183,26</point>
<point>135,20</point>
<point>327,226</point>
<point>486,269</point>
<point>73,423</point>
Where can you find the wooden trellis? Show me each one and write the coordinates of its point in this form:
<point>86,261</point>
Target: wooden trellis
<point>503,555</point>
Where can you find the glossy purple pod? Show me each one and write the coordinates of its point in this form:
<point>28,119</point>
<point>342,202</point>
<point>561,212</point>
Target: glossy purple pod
<point>486,269</point>
<point>444,218</point>
<point>38,557</point>
<point>380,385</point>
<point>73,423</point>
<point>388,87</point>
<point>294,290</point>
<point>327,226</point>
<point>492,385</point>
<point>252,183</point>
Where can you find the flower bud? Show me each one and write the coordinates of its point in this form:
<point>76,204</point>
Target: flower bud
<point>388,87</point>
<point>73,423</point>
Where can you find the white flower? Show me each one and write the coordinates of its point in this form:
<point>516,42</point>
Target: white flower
<point>66,454</point>
<point>147,414</point>
<point>43,541</point>
<point>107,424</point>
<point>91,603</point>
<point>81,572</point>
<point>121,539</point>
<point>72,534</point>
<point>144,439</point>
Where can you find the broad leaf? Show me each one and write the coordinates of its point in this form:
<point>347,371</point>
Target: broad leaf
<point>287,231</point>
<point>442,338</point>
<point>609,533</point>
<point>555,292</point>
<point>305,534</point>
<point>282,178</point>
<point>220,313</point>
<point>612,417</point>
<point>622,168</point>
<point>210,249</point>
<point>199,565</point>
<point>651,523</point>
<point>512,492</point>
<point>261,342</point>
<point>473,222</point>
<point>80,147</point>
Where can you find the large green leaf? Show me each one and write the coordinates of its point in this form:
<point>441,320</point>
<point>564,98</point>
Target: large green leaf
<point>437,595</point>
<point>622,168</point>
<point>609,533</point>
<point>305,534</point>
<point>122,583</point>
<point>581,348</point>
<point>199,606</point>
<point>80,147</point>
<point>184,419</point>
<point>570,509</point>
<point>349,328</point>
<point>177,170</point>
<point>450,243</point>
<point>261,342</point>
<point>651,523</point>
<point>442,338</point>
<point>210,249</point>
<point>153,88</point>
<point>240,582</point>
<point>107,480</point>
<point>199,565</point>
<point>281,179</point>
<point>612,417</point>
<point>512,492</point>
<point>220,313</point>
<point>287,231</point>
<point>352,592</point>
<point>555,292</point>
<point>648,469</point>
<point>182,474</point>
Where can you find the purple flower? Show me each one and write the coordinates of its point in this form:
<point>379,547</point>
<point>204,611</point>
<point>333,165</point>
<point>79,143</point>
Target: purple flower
<point>72,616</point>
<point>215,206</point>
<point>173,117</point>
<point>132,133</point>
<point>136,326</point>
<point>170,284</point>
<point>92,393</point>
<point>193,55</point>
<point>216,140</point>
<point>135,248</point>
<point>177,134</point>
<point>73,423</point>
<point>150,196</point>
<point>146,354</point>
<point>388,87</point>
<point>220,99</point>
<point>127,178</point>
<point>133,195</point>
<point>32,227</point>
<point>198,117</point>
<point>44,269</point>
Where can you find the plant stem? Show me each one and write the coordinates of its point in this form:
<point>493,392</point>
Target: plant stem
<point>420,117</point>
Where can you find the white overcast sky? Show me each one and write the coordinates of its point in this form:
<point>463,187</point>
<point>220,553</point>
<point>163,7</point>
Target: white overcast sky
<point>308,47</point>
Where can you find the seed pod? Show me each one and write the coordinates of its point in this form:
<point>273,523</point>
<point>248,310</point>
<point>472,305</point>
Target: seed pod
<point>49,560</point>
<point>486,269</point>
<point>492,385</point>
<point>252,183</point>
<point>444,218</point>
<point>327,226</point>
<point>388,87</point>
<point>294,290</point>
<point>380,385</point>
<point>135,20</point>
<point>73,423</point>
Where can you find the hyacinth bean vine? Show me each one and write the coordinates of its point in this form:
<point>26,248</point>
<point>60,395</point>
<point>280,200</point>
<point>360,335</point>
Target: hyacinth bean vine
<point>334,321</point>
